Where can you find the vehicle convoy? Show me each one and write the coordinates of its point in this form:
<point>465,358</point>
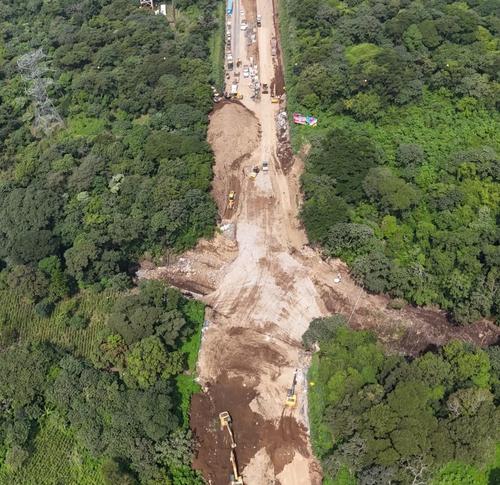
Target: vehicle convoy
<point>291,396</point>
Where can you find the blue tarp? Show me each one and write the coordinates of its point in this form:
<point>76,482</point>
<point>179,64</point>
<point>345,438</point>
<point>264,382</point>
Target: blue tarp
<point>229,9</point>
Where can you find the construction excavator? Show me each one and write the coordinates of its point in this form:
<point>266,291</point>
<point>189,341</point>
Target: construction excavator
<point>226,422</point>
<point>291,396</point>
<point>235,478</point>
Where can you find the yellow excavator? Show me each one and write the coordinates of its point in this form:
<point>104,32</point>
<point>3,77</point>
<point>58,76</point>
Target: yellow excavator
<point>291,396</point>
<point>235,478</point>
<point>230,199</point>
<point>226,422</point>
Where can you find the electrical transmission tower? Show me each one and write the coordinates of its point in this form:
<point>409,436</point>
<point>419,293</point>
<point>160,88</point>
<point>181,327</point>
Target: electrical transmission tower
<point>33,69</point>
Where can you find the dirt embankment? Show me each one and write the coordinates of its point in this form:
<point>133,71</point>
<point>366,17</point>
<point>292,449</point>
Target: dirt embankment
<point>234,134</point>
<point>263,285</point>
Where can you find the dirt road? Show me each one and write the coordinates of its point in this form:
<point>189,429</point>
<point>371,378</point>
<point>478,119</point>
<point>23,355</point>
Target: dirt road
<point>263,286</point>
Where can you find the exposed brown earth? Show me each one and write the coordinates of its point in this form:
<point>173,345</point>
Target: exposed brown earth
<point>263,285</point>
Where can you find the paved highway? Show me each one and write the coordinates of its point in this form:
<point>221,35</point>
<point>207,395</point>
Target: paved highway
<point>235,25</point>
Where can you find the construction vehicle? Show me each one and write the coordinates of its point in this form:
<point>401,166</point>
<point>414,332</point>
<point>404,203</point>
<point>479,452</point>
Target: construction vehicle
<point>231,198</point>
<point>230,63</point>
<point>265,89</point>
<point>259,21</point>
<point>235,478</point>
<point>265,166</point>
<point>275,100</point>
<point>291,396</point>
<point>254,172</point>
<point>225,422</point>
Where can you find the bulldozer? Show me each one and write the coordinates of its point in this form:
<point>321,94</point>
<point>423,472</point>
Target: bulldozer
<point>235,478</point>
<point>226,422</point>
<point>291,396</point>
<point>230,199</point>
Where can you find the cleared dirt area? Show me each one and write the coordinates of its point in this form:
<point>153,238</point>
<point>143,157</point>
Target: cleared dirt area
<point>263,285</point>
<point>233,134</point>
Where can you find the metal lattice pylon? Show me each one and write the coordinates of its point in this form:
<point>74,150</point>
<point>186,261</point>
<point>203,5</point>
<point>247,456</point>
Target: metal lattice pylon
<point>47,118</point>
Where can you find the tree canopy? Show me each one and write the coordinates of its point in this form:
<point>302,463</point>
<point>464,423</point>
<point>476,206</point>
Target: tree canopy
<point>406,147</point>
<point>388,419</point>
<point>128,171</point>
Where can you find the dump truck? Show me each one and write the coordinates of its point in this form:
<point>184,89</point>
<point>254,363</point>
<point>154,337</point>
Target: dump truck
<point>265,89</point>
<point>230,63</point>
<point>265,166</point>
<point>259,21</point>
<point>273,46</point>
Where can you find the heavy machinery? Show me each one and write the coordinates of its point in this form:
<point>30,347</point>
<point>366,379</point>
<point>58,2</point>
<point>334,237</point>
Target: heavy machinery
<point>265,89</point>
<point>235,478</point>
<point>291,396</point>
<point>230,199</point>
<point>225,422</point>
<point>254,172</point>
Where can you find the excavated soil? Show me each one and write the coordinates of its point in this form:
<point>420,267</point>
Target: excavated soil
<point>263,285</point>
<point>232,395</point>
<point>233,134</point>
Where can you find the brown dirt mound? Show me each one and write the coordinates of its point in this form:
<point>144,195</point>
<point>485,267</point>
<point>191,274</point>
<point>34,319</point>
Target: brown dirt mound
<point>230,121</point>
<point>250,430</point>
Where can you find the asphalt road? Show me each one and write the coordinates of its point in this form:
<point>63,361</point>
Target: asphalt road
<point>235,24</point>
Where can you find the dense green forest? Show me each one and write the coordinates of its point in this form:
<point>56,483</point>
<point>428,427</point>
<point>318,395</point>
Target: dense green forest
<point>126,406</point>
<point>103,161</point>
<point>126,172</point>
<point>402,177</point>
<point>379,419</point>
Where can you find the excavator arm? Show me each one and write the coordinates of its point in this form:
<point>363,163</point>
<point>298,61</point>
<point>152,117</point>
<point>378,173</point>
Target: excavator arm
<point>291,396</point>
